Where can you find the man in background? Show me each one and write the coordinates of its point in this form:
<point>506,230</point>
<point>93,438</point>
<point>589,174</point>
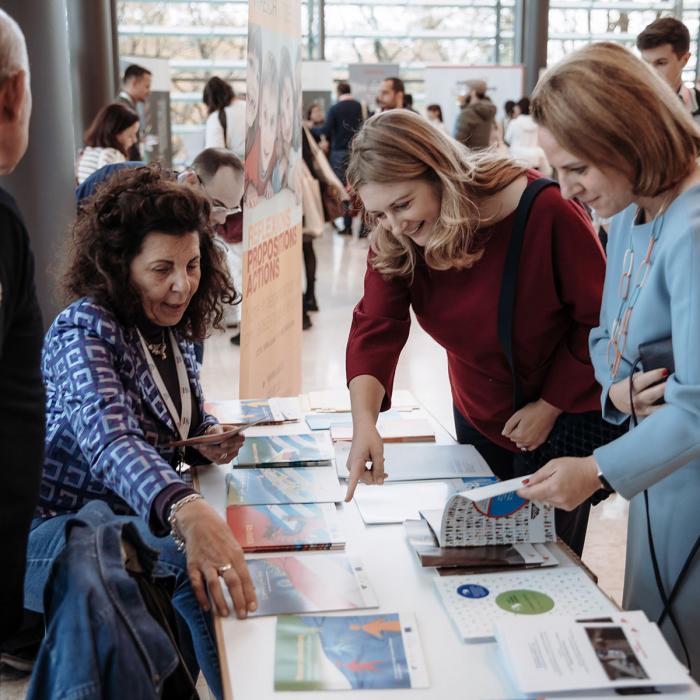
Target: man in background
<point>136,87</point>
<point>218,174</point>
<point>21,337</point>
<point>665,46</point>
<point>343,120</point>
<point>476,120</point>
<point>391,94</point>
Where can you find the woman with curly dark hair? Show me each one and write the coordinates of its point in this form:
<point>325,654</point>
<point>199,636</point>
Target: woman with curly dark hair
<point>146,279</point>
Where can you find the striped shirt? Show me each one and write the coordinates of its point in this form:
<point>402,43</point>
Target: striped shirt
<point>93,158</point>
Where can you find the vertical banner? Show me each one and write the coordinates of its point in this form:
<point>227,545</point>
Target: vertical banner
<point>271,318</point>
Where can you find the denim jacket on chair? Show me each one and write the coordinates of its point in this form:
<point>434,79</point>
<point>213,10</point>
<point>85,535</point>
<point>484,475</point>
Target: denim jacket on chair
<point>101,642</point>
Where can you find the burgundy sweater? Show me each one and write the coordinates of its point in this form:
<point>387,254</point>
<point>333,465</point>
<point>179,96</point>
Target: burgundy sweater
<point>560,283</point>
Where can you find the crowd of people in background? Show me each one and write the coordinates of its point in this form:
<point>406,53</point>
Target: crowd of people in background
<point>155,263</point>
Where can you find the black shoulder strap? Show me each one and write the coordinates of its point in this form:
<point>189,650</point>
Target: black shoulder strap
<point>509,283</point>
<point>697,102</point>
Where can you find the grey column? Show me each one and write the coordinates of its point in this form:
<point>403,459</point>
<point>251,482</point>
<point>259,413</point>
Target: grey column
<point>90,40</point>
<point>534,44</point>
<point>42,184</point>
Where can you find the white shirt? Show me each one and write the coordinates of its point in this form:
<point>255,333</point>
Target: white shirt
<point>235,129</point>
<point>93,158</point>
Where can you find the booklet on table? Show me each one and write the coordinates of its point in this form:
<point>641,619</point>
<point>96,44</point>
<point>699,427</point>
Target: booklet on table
<point>313,582</point>
<point>283,485</point>
<point>265,411</point>
<point>348,652</point>
<point>476,602</point>
<point>418,462</point>
<point>286,527</point>
<point>564,655</point>
<point>304,449</point>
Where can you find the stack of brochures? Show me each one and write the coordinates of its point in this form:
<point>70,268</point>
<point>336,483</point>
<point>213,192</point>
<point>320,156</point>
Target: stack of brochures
<point>453,561</point>
<point>623,653</point>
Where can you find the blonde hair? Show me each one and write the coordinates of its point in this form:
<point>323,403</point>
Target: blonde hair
<point>607,107</point>
<point>399,145</point>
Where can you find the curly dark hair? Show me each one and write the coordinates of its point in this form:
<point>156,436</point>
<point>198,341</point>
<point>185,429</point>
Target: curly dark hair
<point>108,234</point>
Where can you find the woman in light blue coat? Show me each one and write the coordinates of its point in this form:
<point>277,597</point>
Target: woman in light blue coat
<point>624,144</point>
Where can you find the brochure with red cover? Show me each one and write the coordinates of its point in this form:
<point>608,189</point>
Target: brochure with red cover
<point>286,527</point>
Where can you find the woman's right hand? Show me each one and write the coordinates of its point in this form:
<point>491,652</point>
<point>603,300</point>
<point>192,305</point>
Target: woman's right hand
<point>367,446</point>
<point>645,392</point>
<point>210,547</point>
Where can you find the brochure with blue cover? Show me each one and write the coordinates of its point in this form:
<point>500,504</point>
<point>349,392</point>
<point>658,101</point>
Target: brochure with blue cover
<point>349,652</point>
<point>284,485</point>
<point>305,449</point>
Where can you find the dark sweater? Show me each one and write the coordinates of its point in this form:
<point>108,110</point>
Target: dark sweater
<point>21,406</point>
<point>343,121</point>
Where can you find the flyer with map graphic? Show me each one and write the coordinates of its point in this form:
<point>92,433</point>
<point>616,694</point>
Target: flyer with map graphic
<point>350,652</point>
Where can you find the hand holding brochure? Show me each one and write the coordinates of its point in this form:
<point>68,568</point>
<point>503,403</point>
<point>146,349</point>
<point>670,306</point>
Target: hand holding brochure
<point>214,438</point>
<point>491,513</point>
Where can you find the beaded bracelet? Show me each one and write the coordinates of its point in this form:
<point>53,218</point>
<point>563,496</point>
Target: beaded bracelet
<point>172,519</point>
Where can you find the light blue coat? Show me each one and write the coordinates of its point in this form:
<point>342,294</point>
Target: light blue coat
<point>662,454</point>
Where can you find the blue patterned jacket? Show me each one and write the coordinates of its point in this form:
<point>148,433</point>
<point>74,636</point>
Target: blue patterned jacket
<point>107,428</point>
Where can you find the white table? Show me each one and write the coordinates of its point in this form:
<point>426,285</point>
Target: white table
<point>456,670</point>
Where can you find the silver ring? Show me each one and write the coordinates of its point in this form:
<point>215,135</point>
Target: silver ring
<point>523,449</point>
<point>221,570</point>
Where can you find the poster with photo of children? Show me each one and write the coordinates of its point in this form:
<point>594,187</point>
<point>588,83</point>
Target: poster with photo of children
<point>271,323</point>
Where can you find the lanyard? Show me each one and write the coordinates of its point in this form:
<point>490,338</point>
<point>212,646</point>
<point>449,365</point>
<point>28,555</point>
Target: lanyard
<point>182,420</point>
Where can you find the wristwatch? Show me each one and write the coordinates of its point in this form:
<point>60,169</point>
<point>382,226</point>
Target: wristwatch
<point>604,483</point>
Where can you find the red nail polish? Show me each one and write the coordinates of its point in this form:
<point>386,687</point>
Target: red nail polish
<point>526,481</point>
<point>664,373</point>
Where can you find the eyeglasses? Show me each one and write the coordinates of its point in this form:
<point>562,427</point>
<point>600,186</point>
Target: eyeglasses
<point>217,209</point>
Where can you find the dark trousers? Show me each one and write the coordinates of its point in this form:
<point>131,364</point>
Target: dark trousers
<point>339,162</point>
<point>571,525</point>
<point>307,247</point>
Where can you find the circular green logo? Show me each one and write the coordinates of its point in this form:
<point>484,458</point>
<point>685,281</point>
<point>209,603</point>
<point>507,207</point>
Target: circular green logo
<point>524,602</point>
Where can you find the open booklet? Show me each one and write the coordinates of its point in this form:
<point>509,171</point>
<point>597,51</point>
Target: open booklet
<point>565,655</point>
<point>489,512</point>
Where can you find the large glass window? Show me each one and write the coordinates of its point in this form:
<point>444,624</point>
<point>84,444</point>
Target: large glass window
<point>202,38</point>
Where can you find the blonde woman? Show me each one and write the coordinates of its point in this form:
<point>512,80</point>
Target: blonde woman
<point>441,226</point>
<point>622,142</point>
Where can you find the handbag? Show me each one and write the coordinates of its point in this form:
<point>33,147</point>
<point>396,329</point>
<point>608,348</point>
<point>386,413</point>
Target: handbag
<point>573,434</point>
<point>311,203</point>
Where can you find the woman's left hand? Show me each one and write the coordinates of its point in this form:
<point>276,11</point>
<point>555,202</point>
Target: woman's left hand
<point>565,482</point>
<point>224,452</point>
<point>529,427</point>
